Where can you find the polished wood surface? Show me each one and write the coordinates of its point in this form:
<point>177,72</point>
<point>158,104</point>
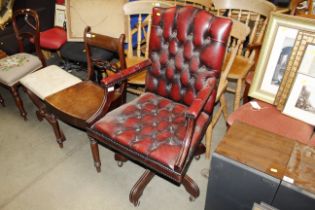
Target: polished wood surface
<point>301,167</point>
<point>2,54</point>
<point>256,148</point>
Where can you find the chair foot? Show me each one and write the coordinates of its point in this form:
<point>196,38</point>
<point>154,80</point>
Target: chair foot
<point>95,154</point>
<point>18,101</point>
<point>138,188</point>
<point>120,159</point>
<point>191,187</point>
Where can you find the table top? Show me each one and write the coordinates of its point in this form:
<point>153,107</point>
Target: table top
<point>277,156</point>
<point>257,148</point>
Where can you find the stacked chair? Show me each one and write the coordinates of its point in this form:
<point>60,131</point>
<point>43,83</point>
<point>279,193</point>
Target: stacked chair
<point>255,14</point>
<point>238,35</point>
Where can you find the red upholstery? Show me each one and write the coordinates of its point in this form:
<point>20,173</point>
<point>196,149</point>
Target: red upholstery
<point>184,55</point>
<point>53,38</point>
<point>271,119</point>
<point>162,129</point>
<point>153,126</point>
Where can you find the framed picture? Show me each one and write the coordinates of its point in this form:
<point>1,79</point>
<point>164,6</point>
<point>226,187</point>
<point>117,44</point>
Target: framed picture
<point>276,50</point>
<point>301,102</point>
<point>302,60</point>
<point>60,15</point>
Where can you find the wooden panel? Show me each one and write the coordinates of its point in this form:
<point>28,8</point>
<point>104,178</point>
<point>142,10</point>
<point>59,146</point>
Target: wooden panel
<point>256,148</point>
<point>104,17</point>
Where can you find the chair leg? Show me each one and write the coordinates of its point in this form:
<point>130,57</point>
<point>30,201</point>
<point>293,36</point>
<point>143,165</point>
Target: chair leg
<point>50,118</point>
<point>238,94</point>
<point>2,101</point>
<point>95,154</point>
<point>208,140</point>
<point>120,159</point>
<point>224,107</point>
<point>245,94</point>
<point>18,101</point>
<point>138,188</point>
<point>191,187</point>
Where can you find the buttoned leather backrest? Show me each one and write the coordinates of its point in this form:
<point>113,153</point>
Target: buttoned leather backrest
<point>187,47</point>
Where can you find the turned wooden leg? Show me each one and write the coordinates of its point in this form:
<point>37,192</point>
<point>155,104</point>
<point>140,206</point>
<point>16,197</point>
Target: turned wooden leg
<point>191,187</point>
<point>224,107</point>
<point>120,159</point>
<point>238,93</point>
<point>60,137</point>
<point>95,154</point>
<point>138,188</point>
<point>42,113</point>
<point>245,94</point>
<point>209,140</point>
<point>18,101</point>
<point>2,101</point>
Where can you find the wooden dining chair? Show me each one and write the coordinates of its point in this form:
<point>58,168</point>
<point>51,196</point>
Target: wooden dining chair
<point>163,128</point>
<point>138,38</point>
<point>255,14</point>
<point>59,95</point>
<point>202,4</point>
<point>16,66</point>
<point>238,35</point>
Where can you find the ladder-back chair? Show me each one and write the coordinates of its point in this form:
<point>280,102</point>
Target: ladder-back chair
<point>255,14</point>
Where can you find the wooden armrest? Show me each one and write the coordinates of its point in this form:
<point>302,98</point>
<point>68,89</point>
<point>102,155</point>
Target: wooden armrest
<point>124,74</point>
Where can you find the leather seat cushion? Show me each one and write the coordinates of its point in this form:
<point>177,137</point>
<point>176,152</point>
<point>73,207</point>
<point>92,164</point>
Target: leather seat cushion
<point>14,67</point>
<point>48,81</point>
<point>152,126</point>
<point>271,119</point>
<point>75,51</point>
<point>53,38</point>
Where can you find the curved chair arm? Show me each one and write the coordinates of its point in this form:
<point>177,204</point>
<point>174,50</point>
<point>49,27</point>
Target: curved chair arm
<point>192,114</point>
<point>198,103</point>
<point>124,74</point>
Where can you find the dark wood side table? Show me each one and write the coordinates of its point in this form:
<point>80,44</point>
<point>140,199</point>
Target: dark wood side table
<point>248,166</point>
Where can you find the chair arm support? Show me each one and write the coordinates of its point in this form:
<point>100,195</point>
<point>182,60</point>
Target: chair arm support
<point>192,114</point>
<point>198,103</point>
<point>124,74</point>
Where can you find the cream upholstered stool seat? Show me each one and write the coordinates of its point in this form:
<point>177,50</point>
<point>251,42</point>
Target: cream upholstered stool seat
<point>48,81</point>
<point>14,67</point>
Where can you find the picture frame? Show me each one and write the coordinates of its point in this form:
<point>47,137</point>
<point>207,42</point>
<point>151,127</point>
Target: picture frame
<point>301,102</point>
<point>279,40</point>
<point>301,61</point>
<point>60,15</point>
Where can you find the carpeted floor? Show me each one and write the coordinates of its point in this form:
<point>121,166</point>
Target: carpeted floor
<point>36,174</point>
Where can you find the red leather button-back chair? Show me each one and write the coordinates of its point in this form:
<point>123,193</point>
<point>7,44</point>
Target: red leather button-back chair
<point>162,129</point>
